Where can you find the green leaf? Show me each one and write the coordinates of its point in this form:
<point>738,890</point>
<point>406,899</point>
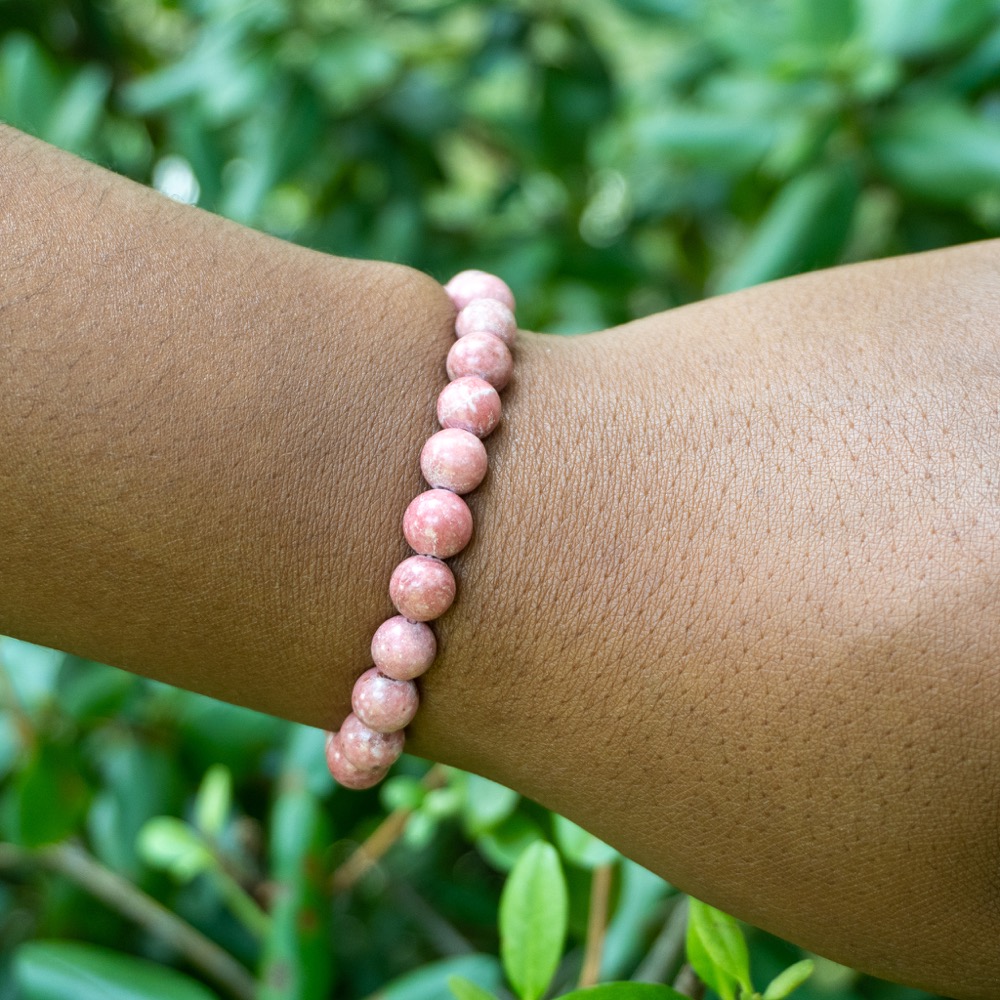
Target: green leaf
<point>296,959</point>
<point>710,974</point>
<point>533,917</point>
<point>48,797</point>
<point>80,109</point>
<point>940,150</point>
<point>485,803</point>
<point>625,991</point>
<point>910,28</point>
<point>402,791</point>
<point>430,982</point>
<point>579,846</point>
<point>504,844</point>
<point>723,941</point>
<point>214,800</point>
<point>805,227</point>
<point>171,845</point>
<point>791,979</point>
<point>464,989</point>
<point>33,670</point>
<point>54,970</point>
<point>716,139</point>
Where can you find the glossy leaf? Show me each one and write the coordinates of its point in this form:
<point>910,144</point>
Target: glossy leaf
<point>171,845</point>
<point>625,991</point>
<point>912,28</point>
<point>214,800</point>
<point>485,803</point>
<point>941,151</point>
<point>430,982</point>
<point>791,979</point>
<point>580,846</point>
<point>504,844</point>
<point>722,939</point>
<point>704,965</point>
<point>464,989</point>
<point>805,227</point>
<point>55,970</point>
<point>533,918</point>
<point>46,798</point>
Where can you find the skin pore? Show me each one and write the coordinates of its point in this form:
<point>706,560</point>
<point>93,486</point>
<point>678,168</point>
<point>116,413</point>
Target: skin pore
<point>733,597</point>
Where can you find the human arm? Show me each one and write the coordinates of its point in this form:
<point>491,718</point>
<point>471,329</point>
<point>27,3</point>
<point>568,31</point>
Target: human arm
<point>732,598</point>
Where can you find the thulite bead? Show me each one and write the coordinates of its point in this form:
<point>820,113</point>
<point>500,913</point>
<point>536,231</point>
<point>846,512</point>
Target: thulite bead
<point>469,285</point>
<point>487,316</point>
<point>403,649</point>
<point>422,588</point>
<point>437,523</point>
<point>470,403</point>
<point>383,704</point>
<point>454,459</point>
<point>483,355</point>
<point>366,749</point>
<point>344,772</point>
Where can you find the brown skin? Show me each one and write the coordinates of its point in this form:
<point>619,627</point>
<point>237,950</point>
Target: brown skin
<point>733,602</point>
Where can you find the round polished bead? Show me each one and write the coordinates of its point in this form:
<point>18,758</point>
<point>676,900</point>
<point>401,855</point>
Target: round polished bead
<point>471,404</point>
<point>344,772</point>
<point>382,703</point>
<point>366,749</point>
<point>422,588</point>
<point>402,649</point>
<point>469,285</point>
<point>487,316</point>
<point>454,460</point>
<point>483,355</point>
<point>437,523</point>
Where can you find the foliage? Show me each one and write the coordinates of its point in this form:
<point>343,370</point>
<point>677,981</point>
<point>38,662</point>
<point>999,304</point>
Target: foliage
<point>609,160</point>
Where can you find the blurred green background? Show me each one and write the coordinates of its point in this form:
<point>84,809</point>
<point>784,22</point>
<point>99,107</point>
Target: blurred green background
<point>609,160</point>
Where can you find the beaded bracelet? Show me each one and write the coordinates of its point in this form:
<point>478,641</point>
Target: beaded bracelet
<point>437,525</point>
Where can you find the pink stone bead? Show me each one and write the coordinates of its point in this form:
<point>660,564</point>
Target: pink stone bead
<point>344,772</point>
<point>366,749</point>
<point>422,588</point>
<point>437,523</point>
<point>469,285</point>
<point>470,403</point>
<point>454,459</point>
<point>487,316</point>
<point>483,355</point>
<point>382,703</point>
<point>403,649</point>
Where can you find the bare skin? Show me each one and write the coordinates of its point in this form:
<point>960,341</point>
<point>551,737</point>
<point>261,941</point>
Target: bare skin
<point>733,602</point>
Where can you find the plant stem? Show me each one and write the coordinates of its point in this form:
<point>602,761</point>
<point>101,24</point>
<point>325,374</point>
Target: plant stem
<point>367,854</point>
<point>668,949</point>
<point>76,864</point>
<point>597,925</point>
<point>243,905</point>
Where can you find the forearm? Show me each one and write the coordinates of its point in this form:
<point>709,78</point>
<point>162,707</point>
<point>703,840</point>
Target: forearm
<point>209,436</point>
<point>748,553</point>
<point>732,598</point>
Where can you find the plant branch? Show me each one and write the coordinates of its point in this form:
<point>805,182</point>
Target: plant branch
<point>76,864</point>
<point>668,948</point>
<point>368,853</point>
<point>597,925</point>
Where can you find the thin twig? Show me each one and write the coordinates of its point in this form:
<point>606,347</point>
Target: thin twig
<point>76,864</point>
<point>367,854</point>
<point>688,983</point>
<point>448,940</point>
<point>668,949</point>
<point>597,925</point>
